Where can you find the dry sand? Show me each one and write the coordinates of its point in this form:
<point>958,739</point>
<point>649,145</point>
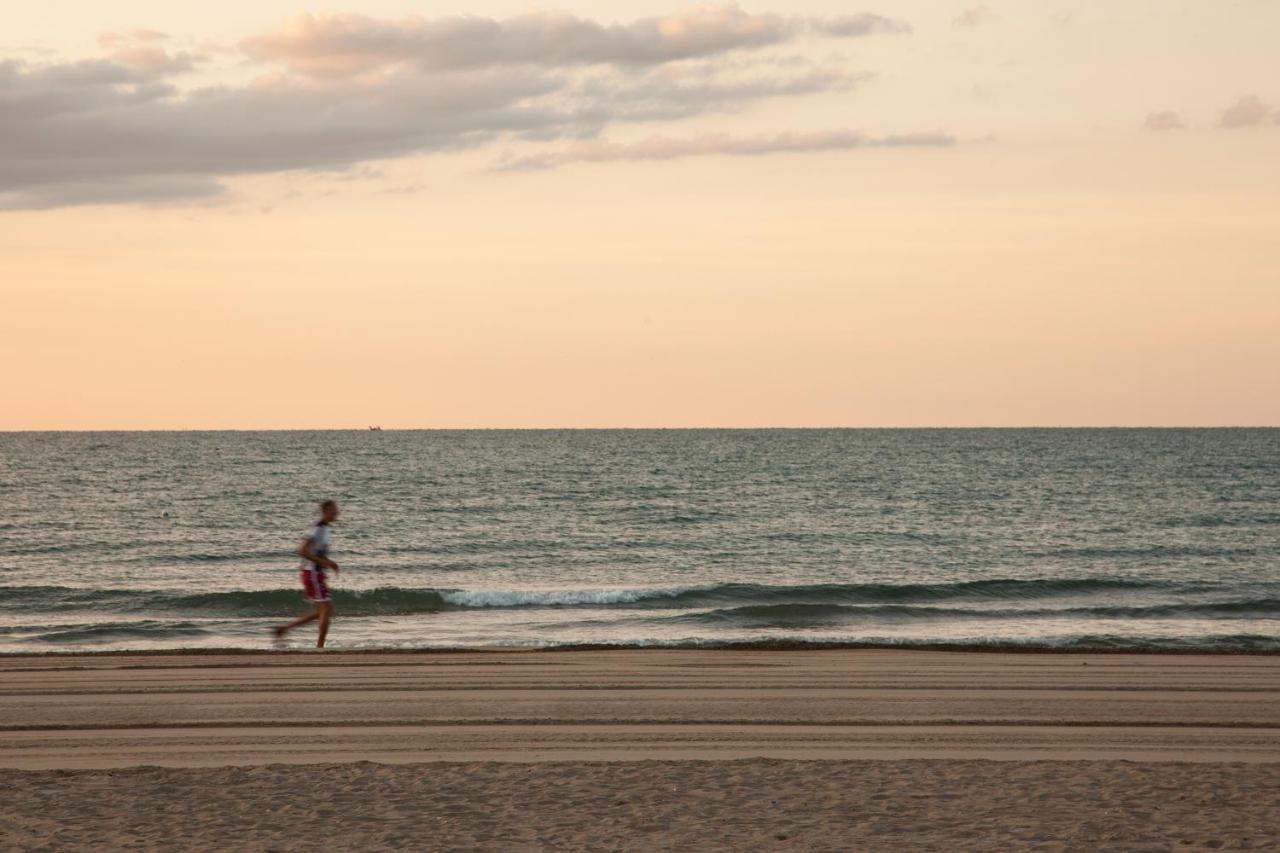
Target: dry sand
<point>753,804</point>
<point>594,750</point>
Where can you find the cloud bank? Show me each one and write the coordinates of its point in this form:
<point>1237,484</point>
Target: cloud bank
<point>344,44</point>
<point>336,91</point>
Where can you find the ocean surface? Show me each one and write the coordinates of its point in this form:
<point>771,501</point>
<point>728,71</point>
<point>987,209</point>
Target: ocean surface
<point>1107,538</point>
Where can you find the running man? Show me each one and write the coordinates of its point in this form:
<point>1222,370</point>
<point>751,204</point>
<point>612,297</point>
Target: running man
<point>314,552</point>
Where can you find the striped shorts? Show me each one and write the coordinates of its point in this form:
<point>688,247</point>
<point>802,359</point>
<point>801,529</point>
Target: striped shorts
<point>313,585</point>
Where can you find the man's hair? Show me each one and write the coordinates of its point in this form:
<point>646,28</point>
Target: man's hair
<point>330,504</point>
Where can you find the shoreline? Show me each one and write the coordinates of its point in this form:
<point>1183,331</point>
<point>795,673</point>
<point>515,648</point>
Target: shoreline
<point>766,647</point>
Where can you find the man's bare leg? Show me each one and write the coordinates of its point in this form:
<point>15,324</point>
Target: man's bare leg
<point>281,630</point>
<point>324,613</point>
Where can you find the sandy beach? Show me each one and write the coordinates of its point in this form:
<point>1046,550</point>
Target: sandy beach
<point>641,750</point>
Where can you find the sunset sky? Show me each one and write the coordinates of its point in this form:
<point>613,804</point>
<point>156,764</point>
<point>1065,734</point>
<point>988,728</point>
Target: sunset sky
<point>925,213</point>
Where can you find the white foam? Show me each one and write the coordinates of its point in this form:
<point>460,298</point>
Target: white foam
<point>555,597</point>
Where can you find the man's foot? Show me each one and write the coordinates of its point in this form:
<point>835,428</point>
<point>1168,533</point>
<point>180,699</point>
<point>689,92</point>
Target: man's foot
<point>277,634</point>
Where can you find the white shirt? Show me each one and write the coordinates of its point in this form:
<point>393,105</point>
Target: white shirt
<point>318,537</point>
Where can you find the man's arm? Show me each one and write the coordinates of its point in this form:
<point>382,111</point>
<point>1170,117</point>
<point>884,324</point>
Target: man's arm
<point>304,551</point>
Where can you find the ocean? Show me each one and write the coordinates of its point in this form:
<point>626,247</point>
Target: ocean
<point>1044,538</point>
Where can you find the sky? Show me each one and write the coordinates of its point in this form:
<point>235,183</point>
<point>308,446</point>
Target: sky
<point>269,215</point>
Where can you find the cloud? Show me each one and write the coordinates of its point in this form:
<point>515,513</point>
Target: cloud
<point>120,129</point>
<point>972,17</point>
<point>345,44</point>
<point>41,93</point>
<point>1249,111</point>
<point>666,148</point>
<point>154,60</point>
<point>140,189</point>
<point>97,132</point>
<point>851,26</point>
<point>664,94</point>
<point>129,38</point>
<point>141,50</point>
<point>1163,120</point>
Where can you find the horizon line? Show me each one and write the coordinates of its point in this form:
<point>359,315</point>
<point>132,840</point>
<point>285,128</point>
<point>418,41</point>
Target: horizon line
<point>647,428</point>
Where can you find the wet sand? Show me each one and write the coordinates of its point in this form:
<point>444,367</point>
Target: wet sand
<point>641,749</point>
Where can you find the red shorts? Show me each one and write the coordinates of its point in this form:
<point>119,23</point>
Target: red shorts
<point>313,586</point>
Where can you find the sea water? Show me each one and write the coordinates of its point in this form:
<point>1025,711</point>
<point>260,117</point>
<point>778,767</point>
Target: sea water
<point>1073,538</point>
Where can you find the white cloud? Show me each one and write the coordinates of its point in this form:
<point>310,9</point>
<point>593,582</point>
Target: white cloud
<point>667,148</point>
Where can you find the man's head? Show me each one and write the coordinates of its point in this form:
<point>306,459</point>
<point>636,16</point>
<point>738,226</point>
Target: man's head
<point>329,511</point>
